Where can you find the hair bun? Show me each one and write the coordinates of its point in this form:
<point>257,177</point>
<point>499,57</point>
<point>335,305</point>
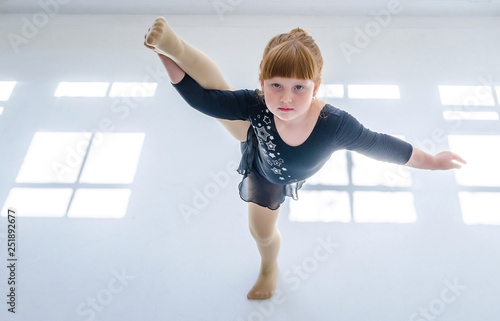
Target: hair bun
<point>298,30</point>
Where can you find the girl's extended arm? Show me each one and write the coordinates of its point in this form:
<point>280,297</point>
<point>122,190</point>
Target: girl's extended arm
<point>443,160</point>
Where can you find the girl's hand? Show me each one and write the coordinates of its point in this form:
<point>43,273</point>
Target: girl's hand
<point>448,160</point>
<point>442,161</point>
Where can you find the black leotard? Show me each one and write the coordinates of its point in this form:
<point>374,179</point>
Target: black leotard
<point>281,169</point>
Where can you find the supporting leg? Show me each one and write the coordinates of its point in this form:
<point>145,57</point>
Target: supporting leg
<point>195,63</point>
<point>262,223</point>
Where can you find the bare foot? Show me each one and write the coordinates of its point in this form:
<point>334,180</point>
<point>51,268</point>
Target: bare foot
<point>266,283</point>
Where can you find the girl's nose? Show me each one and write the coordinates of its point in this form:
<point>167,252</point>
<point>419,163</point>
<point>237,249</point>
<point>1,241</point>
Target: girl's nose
<point>286,98</point>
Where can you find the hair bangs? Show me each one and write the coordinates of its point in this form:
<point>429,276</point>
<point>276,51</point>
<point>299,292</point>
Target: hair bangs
<point>291,59</point>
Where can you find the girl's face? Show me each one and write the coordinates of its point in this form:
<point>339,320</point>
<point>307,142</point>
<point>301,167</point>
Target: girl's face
<point>288,98</point>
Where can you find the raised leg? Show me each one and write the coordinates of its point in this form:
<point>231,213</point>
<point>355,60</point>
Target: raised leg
<point>195,63</point>
<point>262,223</point>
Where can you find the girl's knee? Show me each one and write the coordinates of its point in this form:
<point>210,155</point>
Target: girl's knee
<point>264,235</point>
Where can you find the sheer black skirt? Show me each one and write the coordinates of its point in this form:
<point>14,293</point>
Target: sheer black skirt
<point>256,188</point>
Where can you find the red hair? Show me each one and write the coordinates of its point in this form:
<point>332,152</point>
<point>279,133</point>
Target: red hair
<point>292,55</point>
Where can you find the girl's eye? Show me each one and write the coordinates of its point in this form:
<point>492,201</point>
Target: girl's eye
<point>299,87</point>
<point>276,85</point>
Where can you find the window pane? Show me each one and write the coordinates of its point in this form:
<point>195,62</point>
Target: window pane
<point>370,172</point>
<point>480,208</point>
<point>38,202</point>
<point>331,91</point>
<point>99,203</point>
<point>133,89</point>
<point>384,207</point>
<point>321,206</point>
<point>373,91</point>
<point>113,158</point>
<point>470,115</point>
<point>6,88</point>
<point>482,155</point>
<point>82,89</point>
<point>466,95</point>
<point>334,172</point>
<point>54,158</point>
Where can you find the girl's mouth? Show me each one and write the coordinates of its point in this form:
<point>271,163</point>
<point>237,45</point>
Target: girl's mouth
<point>285,109</point>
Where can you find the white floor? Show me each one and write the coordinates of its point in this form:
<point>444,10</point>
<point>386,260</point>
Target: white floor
<point>153,228</point>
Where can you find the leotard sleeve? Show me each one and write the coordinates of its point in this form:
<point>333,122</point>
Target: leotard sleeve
<point>223,104</point>
<point>352,135</point>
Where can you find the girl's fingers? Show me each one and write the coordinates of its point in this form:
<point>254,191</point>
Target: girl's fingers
<point>458,158</point>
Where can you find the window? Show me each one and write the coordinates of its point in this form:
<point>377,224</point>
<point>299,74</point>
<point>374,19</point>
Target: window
<point>82,89</point>
<point>77,174</point>
<point>330,91</point>
<point>466,96</point>
<point>479,185</point>
<point>468,103</point>
<point>470,115</point>
<point>354,188</point>
<point>373,92</point>
<point>100,89</point>
<point>6,88</point>
<point>133,89</point>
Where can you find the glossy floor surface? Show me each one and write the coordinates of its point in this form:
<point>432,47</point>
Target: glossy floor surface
<point>126,200</point>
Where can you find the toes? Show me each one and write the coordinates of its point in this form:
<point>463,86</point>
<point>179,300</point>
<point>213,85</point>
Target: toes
<point>152,37</point>
<point>159,22</point>
<point>259,295</point>
<point>155,32</point>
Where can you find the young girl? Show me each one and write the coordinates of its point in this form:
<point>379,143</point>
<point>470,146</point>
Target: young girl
<point>287,134</point>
